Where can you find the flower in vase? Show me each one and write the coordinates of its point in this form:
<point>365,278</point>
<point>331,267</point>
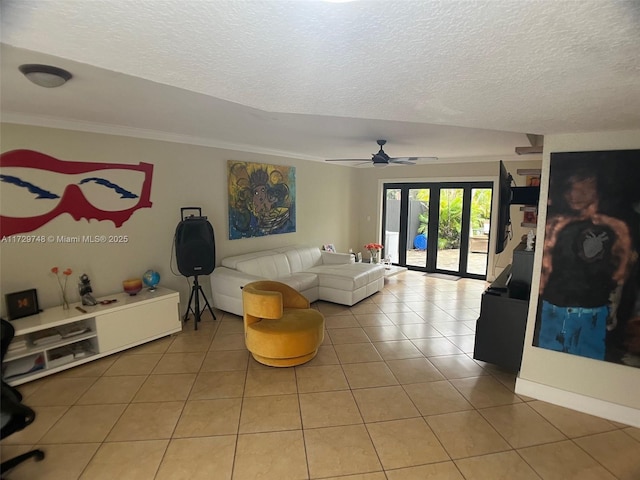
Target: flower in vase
<point>373,246</point>
<point>63,286</point>
<point>374,250</point>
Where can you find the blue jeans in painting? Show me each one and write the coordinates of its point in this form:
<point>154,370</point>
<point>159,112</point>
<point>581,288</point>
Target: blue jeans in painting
<point>577,330</point>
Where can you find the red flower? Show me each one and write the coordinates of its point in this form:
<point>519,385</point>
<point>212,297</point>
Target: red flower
<point>373,246</point>
<point>54,270</point>
<point>67,272</point>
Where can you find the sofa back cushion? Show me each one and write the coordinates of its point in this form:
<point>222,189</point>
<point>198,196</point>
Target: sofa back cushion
<point>232,262</point>
<point>269,266</point>
<point>303,258</point>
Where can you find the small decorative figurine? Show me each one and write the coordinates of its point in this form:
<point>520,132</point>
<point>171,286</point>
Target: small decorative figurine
<point>84,287</point>
<point>530,239</point>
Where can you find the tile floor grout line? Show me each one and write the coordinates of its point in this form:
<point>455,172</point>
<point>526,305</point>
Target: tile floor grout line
<point>237,435</point>
<point>302,428</point>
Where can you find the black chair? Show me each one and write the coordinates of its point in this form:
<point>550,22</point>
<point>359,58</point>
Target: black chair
<point>14,414</point>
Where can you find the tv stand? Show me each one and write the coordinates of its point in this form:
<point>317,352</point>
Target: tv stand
<point>503,314</point>
<point>58,339</point>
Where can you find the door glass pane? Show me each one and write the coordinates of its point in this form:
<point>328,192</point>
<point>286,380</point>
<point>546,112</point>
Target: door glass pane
<point>392,224</point>
<point>479,231</point>
<point>449,228</point>
<point>418,227</point>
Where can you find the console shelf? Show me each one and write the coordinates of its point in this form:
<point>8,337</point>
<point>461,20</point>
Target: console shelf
<point>32,349</point>
<point>58,339</point>
<point>502,322</point>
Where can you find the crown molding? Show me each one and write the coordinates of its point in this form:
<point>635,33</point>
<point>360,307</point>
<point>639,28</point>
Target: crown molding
<point>106,129</point>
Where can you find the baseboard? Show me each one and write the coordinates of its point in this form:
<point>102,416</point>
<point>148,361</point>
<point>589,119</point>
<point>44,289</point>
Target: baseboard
<point>582,403</point>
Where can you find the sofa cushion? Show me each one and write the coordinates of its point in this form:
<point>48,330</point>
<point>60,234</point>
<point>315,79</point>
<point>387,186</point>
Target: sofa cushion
<point>269,266</point>
<point>301,281</point>
<point>232,262</point>
<point>347,276</point>
<point>303,258</point>
<point>333,258</point>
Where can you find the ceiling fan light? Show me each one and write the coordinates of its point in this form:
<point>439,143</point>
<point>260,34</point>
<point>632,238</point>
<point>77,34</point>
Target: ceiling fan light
<point>45,75</point>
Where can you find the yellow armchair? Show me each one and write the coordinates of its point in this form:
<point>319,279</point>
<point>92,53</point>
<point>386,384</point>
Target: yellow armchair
<point>280,328</point>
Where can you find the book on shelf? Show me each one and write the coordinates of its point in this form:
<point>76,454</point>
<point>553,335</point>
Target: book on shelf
<point>60,360</point>
<point>68,331</point>
<point>52,335</point>
<point>17,345</point>
<point>81,349</point>
<point>45,337</point>
<point>59,356</point>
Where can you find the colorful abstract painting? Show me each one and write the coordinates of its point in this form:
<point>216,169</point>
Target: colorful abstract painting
<point>262,199</point>
<point>36,188</point>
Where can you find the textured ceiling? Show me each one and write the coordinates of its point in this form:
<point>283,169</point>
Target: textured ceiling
<point>335,76</point>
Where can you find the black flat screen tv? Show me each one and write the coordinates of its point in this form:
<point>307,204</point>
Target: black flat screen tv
<point>508,195</point>
<point>504,209</point>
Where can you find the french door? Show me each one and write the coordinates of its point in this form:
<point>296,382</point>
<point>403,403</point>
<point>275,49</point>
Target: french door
<point>438,227</point>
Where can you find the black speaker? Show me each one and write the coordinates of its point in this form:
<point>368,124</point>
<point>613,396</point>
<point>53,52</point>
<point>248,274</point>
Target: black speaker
<point>195,247</point>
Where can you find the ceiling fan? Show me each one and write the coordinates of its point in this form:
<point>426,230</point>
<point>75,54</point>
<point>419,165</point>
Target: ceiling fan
<point>381,159</point>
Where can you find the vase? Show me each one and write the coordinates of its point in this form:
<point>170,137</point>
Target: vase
<point>375,256</point>
<point>132,286</point>
<point>65,301</point>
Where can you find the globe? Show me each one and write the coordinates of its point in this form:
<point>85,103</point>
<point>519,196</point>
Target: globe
<point>151,279</point>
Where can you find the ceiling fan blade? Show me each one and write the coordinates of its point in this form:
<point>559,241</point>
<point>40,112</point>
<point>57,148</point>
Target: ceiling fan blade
<point>348,160</point>
<point>398,161</point>
<point>412,159</point>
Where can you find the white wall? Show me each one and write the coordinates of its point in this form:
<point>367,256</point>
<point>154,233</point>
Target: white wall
<point>600,388</point>
<point>183,176</point>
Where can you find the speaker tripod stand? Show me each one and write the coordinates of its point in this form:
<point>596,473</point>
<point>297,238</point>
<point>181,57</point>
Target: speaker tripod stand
<point>196,290</point>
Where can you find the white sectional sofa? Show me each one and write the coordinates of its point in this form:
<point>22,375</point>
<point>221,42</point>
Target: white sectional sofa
<point>317,274</point>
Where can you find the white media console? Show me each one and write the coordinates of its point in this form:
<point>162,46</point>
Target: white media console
<point>58,339</point>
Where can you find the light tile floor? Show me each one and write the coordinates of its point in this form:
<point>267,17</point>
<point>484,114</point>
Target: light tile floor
<point>393,393</point>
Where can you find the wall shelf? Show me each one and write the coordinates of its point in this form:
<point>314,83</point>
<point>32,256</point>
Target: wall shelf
<point>529,171</point>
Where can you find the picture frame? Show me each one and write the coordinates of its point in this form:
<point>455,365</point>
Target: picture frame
<point>22,304</point>
<point>530,217</point>
<point>533,180</point>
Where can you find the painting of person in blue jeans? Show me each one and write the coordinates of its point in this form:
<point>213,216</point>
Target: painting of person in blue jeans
<point>587,259</point>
